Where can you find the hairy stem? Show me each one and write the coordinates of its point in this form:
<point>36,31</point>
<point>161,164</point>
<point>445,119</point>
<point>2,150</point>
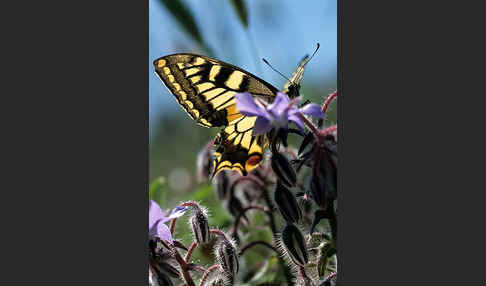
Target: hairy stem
<point>251,178</point>
<point>328,130</point>
<point>309,124</point>
<point>219,232</point>
<point>208,271</point>
<point>172,225</point>
<point>328,100</point>
<point>190,250</point>
<point>184,268</point>
<point>330,276</point>
<point>242,213</point>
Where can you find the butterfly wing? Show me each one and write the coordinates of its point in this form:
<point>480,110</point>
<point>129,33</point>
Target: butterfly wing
<point>205,89</point>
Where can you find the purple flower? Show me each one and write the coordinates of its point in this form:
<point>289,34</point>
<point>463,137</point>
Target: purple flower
<point>276,115</point>
<point>157,221</point>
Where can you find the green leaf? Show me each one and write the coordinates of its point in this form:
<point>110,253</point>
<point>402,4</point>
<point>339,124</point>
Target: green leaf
<point>241,11</point>
<point>185,18</point>
<point>157,190</point>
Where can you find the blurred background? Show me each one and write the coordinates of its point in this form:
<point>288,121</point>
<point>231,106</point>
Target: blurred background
<point>280,31</point>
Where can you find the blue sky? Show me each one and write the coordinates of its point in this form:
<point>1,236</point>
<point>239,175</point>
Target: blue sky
<point>281,31</point>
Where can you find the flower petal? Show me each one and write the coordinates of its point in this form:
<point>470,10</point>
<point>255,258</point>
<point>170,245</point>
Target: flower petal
<point>247,106</point>
<point>298,122</point>
<point>177,212</point>
<point>262,126</point>
<point>163,232</point>
<point>313,110</point>
<point>155,214</point>
<point>279,104</point>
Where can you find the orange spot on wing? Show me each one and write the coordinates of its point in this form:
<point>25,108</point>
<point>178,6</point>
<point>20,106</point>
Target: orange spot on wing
<point>252,162</point>
<point>233,113</point>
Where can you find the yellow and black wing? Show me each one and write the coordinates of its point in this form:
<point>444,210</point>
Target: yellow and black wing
<point>292,86</point>
<point>205,89</point>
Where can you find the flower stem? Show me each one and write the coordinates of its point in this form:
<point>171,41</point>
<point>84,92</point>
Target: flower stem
<point>190,204</point>
<point>328,130</point>
<point>172,225</point>
<point>309,124</point>
<point>302,273</point>
<point>208,271</point>
<point>184,204</point>
<point>330,276</point>
<point>251,244</point>
<point>219,232</point>
<point>328,100</point>
<point>242,213</point>
<point>251,178</point>
<point>190,250</point>
<point>184,268</point>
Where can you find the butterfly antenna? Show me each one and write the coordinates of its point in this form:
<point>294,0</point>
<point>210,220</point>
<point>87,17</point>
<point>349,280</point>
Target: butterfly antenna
<point>318,46</point>
<point>265,61</point>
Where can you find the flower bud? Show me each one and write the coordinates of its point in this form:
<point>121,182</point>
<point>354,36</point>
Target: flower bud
<point>323,181</point>
<point>227,256</point>
<point>217,281</point>
<point>204,164</point>
<point>221,183</point>
<point>163,280</point>
<point>283,170</point>
<point>287,204</point>
<point>165,268</point>
<point>294,244</point>
<point>200,227</point>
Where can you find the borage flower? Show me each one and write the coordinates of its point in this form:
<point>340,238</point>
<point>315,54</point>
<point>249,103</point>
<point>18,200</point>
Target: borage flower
<point>157,220</point>
<point>276,115</point>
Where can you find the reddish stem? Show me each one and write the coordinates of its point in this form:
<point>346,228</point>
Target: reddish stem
<point>309,124</point>
<point>302,273</point>
<point>251,178</point>
<point>240,215</point>
<point>219,232</point>
<point>184,268</point>
<point>208,271</point>
<point>332,275</point>
<point>172,225</point>
<point>190,250</point>
<point>190,204</point>
<point>328,130</point>
<point>251,244</point>
<point>184,204</point>
<point>328,100</point>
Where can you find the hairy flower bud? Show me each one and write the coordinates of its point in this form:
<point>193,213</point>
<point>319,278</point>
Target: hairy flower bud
<point>200,226</point>
<point>227,256</point>
<point>165,268</point>
<point>284,171</point>
<point>217,281</point>
<point>204,164</point>
<point>221,183</point>
<point>164,280</point>
<point>287,204</point>
<point>323,181</point>
<point>294,244</point>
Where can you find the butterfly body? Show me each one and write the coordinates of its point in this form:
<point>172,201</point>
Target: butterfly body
<point>205,87</point>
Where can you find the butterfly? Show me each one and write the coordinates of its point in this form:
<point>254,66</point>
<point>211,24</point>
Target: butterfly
<point>205,87</point>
